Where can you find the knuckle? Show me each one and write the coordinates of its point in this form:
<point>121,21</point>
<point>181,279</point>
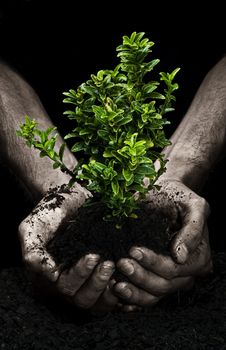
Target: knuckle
<point>141,279</point>
<point>99,283</point>
<point>82,271</point>
<point>149,259</point>
<point>99,288</point>
<point>101,280</point>
<point>196,233</point>
<point>164,287</point>
<point>170,273</point>
<point>83,274</point>
<point>202,203</point>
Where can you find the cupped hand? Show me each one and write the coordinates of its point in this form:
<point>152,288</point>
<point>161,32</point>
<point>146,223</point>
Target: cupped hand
<point>153,276</point>
<point>87,284</point>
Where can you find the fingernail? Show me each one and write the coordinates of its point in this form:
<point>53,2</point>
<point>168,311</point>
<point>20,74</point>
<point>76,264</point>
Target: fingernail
<point>125,291</point>
<point>107,268</point>
<point>127,267</point>
<point>182,253</point>
<point>92,261</point>
<point>137,254</point>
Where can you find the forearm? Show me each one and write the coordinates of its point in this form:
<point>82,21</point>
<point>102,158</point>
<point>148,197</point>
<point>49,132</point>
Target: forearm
<point>18,99</point>
<point>199,140</point>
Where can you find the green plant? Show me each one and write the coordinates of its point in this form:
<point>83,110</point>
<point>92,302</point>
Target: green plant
<point>119,127</point>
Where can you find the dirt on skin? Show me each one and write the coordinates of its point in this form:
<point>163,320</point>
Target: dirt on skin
<point>191,320</point>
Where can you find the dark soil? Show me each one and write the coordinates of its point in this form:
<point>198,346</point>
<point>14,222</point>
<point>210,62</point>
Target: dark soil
<point>191,320</point>
<point>194,320</point>
<point>89,233</point>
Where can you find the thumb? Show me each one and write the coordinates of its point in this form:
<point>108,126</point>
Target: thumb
<point>187,239</point>
<point>185,242</point>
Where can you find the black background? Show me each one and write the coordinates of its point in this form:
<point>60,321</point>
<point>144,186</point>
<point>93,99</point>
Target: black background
<point>57,45</point>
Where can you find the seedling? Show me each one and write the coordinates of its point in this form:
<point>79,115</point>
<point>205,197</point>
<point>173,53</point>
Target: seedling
<point>119,122</point>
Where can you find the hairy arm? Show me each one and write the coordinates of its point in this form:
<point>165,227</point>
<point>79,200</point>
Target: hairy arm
<point>199,141</point>
<point>18,99</point>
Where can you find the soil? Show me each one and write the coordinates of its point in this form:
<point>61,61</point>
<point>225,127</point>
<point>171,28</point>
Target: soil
<point>195,319</point>
<point>89,233</point>
<point>191,320</point>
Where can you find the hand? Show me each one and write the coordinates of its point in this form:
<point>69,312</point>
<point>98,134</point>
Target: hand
<point>153,276</point>
<point>88,283</point>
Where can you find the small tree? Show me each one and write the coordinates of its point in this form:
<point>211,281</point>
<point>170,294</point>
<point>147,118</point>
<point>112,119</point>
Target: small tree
<point>118,126</point>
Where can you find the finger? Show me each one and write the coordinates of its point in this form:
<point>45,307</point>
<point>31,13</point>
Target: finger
<point>193,211</point>
<point>149,281</point>
<point>188,238</point>
<point>159,264</point>
<point>39,262</point>
<point>70,281</point>
<point>88,294</point>
<point>133,295</point>
<point>106,302</point>
<point>167,268</point>
<point>200,261</point>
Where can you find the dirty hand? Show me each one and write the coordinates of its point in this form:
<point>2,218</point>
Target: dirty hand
<point>153,276</point>
<point>88,283</point>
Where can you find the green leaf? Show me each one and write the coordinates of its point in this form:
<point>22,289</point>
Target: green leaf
<point>103,134</point>
<point>56,165</point>
<point>77,147</point>
<point>157,95</point>
<point>127,174</point>
<point>149,88</point>
<point>149,66</point>
<point>89,90</point>
<point>107,153</point>
<point>84,132</point>
<point>98,166</point>
<point>43,154</point>
<point>146,169</point>
<point>71,135</point>
<point>138,188</point>
<point>133,215</point>
<point>115,186</point>
<point>125,120</point>
<point>174,72</point>
<point>51,154</point>
<point>118,127</point>
<point>169,110</point>
<point>61,151</point>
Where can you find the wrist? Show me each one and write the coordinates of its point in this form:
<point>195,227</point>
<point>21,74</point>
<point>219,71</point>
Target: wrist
<point>40,176</point>
<point>191,174</point>
<point>40,190</point>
